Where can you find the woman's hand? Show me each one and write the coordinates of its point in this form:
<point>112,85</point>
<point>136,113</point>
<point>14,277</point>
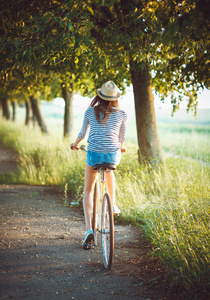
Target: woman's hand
<point>74,147</point>
<point>123,149</point>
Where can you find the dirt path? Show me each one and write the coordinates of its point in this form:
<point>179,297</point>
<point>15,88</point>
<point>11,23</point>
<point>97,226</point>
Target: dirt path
<point>41,255</point>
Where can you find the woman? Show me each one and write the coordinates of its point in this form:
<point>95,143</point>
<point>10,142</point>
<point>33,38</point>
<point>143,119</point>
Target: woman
<point>105,143</point>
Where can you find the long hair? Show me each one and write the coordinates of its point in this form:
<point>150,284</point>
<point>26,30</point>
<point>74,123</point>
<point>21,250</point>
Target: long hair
<point>103,106</point>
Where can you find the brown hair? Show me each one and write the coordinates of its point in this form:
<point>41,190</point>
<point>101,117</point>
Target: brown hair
<point>103,106</point>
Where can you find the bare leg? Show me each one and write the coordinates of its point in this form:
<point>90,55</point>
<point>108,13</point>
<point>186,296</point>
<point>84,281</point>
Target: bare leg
<point>90,177</point>
<point>110,180</point>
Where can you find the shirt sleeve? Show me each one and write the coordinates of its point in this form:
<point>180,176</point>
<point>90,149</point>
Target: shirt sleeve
<point>123,129</point>
<point>85,126</point>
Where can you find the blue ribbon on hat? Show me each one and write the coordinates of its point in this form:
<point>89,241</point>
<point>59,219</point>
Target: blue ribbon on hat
<point>108,96</point>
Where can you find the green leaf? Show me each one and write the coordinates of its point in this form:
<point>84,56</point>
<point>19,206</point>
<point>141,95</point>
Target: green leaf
<point>41,28</point>
<point>76,60</point>
<point>90,24</point>
<point>90,9</point>
<point>47,17</point>
<point>58,19</point>
<point>69,25</point>
<point>87,41</point>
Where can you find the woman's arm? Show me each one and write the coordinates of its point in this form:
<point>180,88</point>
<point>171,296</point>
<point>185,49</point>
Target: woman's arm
<point>122,133</point>
<point>82,132</point>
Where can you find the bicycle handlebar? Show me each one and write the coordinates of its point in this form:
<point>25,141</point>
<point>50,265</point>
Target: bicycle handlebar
<point>83,148</point>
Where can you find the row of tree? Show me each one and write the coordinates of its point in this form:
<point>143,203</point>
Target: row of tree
<point>66,46</point>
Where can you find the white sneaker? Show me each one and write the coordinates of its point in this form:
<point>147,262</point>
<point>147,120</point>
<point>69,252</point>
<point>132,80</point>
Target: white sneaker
<point>116,210</point>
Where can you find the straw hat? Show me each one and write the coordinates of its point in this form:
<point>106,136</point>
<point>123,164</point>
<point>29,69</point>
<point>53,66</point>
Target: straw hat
<point>109,91</point>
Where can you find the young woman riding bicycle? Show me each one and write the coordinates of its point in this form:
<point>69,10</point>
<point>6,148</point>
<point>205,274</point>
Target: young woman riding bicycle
<point>107,125</point>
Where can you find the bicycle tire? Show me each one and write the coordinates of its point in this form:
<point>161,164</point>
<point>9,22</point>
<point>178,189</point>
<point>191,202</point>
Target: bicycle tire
<point>107,222</point>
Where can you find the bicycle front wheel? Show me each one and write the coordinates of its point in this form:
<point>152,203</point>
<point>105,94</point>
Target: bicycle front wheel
<point>107,226</point>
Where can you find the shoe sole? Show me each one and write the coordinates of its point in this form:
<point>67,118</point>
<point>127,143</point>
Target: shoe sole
<point>88,243</point>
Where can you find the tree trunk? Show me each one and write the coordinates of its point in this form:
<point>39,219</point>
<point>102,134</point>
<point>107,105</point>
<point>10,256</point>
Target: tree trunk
<point>14,105</point>
<point>34,120</point>
<point>1,108</point>
<point>5,107</point>
<point>68,114</point>
<point>148,139</point>
<point>27,119</point>
<point>37,112</point>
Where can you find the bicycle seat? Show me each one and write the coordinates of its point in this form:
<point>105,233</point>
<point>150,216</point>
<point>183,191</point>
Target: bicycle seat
<point>104,167</point>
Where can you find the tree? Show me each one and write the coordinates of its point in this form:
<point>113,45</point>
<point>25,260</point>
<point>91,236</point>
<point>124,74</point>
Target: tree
<point>5,108</point>
<point>52,46</point>
<point>17,87</point>
<point>143,34</point>
<point>37,112</point>
<point>68,114</point>
<point>185,47</point>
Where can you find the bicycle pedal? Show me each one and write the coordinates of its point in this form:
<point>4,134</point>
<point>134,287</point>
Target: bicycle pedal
<point>90,243</point>
<point>87,246</point>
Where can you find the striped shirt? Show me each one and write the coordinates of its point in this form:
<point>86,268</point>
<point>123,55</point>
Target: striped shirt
<point>104,138</point>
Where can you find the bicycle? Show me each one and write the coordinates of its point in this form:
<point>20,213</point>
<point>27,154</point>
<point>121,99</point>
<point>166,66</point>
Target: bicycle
<point>102,219</point>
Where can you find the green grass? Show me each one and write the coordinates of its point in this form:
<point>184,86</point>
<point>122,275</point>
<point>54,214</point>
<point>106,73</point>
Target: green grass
<point>191,141</point>
<point>172,203</point>
<point>173,206</point>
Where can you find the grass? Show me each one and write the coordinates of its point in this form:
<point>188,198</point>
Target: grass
<point>173,206</point>
<point>172,203</point>
<point>187,141</point>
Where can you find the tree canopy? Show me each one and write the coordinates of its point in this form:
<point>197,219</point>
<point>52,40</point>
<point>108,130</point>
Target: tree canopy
<point>164,42</point>
<point>103,36</point>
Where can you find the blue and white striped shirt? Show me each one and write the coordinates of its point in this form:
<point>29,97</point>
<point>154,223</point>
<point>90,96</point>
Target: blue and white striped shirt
<point>104,138</point>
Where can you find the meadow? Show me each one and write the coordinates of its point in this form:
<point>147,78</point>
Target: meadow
<point>172,202</point>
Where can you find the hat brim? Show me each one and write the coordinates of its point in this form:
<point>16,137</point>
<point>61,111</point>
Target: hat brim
<point>108,98</point>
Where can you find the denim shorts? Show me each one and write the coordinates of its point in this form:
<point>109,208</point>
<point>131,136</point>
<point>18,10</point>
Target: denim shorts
<point>95,158</point>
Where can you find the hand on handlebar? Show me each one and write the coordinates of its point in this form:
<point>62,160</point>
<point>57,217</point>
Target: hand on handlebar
<point>73,147</point>
<point>123,149</point>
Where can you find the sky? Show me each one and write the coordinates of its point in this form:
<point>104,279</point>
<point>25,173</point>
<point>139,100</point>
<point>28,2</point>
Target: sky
<point>203,100</point>
<point>127,101</point>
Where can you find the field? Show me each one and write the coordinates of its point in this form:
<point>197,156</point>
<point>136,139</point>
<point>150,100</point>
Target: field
<point>172,203</point>
<point>182,134</point>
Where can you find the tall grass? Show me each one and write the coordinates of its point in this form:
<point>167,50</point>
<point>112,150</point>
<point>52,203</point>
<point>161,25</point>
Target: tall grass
<point>172,203</point>
<point>43,160</point>
<point>173,206</point>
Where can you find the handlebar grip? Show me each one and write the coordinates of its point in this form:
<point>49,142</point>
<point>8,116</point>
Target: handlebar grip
<point>83,147</point>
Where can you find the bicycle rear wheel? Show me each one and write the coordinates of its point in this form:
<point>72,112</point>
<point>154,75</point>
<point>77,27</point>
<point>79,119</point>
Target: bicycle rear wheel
<point>107,226</point>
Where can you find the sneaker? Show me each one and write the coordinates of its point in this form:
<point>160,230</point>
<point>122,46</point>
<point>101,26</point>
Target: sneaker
<point>116,210</point>
<point>86,245</point>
